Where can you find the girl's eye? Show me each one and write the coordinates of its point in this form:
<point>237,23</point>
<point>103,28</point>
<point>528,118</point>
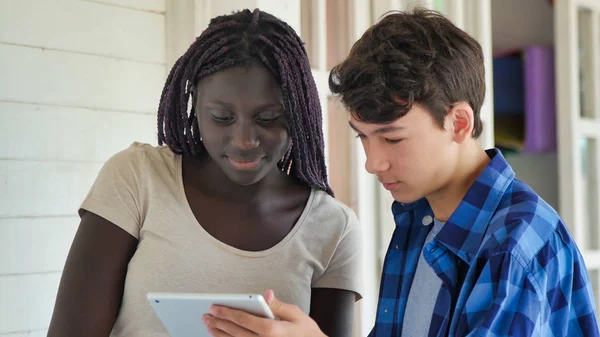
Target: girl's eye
<point>223,120</point>
<point>267,121</point>
<point>393,141</point>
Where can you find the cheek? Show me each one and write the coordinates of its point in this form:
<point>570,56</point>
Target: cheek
<point>277,141</point>
<point>405,155</point>
<point>212,135</point>
<point>413,163</point>
<point>440,165</point>
<point>206,128</point>
<point>214,138</point>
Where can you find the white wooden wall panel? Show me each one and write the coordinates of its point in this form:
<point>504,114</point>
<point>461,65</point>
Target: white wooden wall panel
<point>321,79</point>
<point>34,245</point>
<point>589,29</point>
<point>34,75</point>
<point>40,188</point>
<point>320,71</point>
<point>425,3</point>
<point>480,28</point>
<point>380,7</point>
<point>577,46</point>
<point>366,193</point>
<point>588,4</point>
<point>287,10</point>
<point>568,107</point>
<point>321,32</point>
<point>41,132</point>
<point>66,25</point>
<point>592,262</point>
<point>27,301</point>
<point>589,128</point>
<point>590,39</point>
<point>157,6</point>
<point>180,26</point>
<point>34,333</point>
<point>80,80</point>
<point>455,10</point>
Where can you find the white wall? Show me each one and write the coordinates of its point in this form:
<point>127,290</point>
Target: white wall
<point>520,23</point>
<point>79,81</point>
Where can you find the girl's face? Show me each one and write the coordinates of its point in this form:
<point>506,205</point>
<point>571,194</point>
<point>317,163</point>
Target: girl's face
<point>242,122</point>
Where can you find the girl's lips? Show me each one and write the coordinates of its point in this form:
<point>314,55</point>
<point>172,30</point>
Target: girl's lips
<point>244,165</point>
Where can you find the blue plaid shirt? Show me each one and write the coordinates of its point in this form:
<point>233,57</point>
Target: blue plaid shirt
<point>507,263</point>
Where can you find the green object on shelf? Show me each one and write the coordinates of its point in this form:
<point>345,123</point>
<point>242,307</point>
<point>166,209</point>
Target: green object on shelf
<point>507,153</point>
<point>509,131</point>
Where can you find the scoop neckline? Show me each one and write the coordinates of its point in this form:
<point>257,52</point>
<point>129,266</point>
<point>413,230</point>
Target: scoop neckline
<point>220,244</point>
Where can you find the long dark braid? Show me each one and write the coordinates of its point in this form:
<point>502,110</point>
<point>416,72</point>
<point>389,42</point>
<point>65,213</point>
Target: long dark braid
<point>241,39</point>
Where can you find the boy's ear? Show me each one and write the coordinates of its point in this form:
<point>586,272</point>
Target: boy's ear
<point>462,121</point>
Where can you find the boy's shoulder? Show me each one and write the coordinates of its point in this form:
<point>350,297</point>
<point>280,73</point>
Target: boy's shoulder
<point>523,225</point>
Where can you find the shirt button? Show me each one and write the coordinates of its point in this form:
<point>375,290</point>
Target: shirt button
<point>384,310</point>
<point>397,247</point>
<point>427,220</point>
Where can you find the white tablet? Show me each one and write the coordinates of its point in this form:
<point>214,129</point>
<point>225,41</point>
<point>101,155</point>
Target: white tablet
<point>181,313</point>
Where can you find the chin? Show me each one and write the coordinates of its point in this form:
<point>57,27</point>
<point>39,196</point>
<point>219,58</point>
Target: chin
<point>242,177</point>
<point>244,180</point>
<point>405,198</point>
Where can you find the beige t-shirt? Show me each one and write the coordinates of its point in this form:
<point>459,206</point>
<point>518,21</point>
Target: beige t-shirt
<point>140,190</point>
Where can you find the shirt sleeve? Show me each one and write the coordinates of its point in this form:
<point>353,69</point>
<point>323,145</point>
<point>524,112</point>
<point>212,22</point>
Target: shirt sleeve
<point>549,297</point>
<point>115,195</point>
<point>344,269</point>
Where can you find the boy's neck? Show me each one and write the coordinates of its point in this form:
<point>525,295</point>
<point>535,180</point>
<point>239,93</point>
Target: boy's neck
<point>472,161</point>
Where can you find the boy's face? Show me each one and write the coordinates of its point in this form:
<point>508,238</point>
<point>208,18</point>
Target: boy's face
<point>412,156</point>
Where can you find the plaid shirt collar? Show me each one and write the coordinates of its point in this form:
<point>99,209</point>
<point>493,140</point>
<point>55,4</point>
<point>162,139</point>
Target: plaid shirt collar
<point>464,231</point>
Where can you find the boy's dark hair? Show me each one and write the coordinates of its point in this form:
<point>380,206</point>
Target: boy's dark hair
<point>244,39</point>
<point>411,57</point>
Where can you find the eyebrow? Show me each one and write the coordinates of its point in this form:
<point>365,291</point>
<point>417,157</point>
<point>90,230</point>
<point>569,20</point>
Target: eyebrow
<point>261,106</point>
<point>221,103</point>
<point>381,130</point>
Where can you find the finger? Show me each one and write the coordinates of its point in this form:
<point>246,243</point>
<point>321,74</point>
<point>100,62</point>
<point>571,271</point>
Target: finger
<point>217,333</point>
<point>281,310</point>
<point>269,296</point>
<point>223,328</point>
<point>241,319</point>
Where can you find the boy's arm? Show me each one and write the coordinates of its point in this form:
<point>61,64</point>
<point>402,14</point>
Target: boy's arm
<point>552,296</point>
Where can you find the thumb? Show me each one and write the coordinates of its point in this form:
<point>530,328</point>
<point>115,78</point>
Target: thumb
<point>281,310</point>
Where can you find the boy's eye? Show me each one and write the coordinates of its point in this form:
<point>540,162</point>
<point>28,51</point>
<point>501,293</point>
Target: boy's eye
<point>393,141</point>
